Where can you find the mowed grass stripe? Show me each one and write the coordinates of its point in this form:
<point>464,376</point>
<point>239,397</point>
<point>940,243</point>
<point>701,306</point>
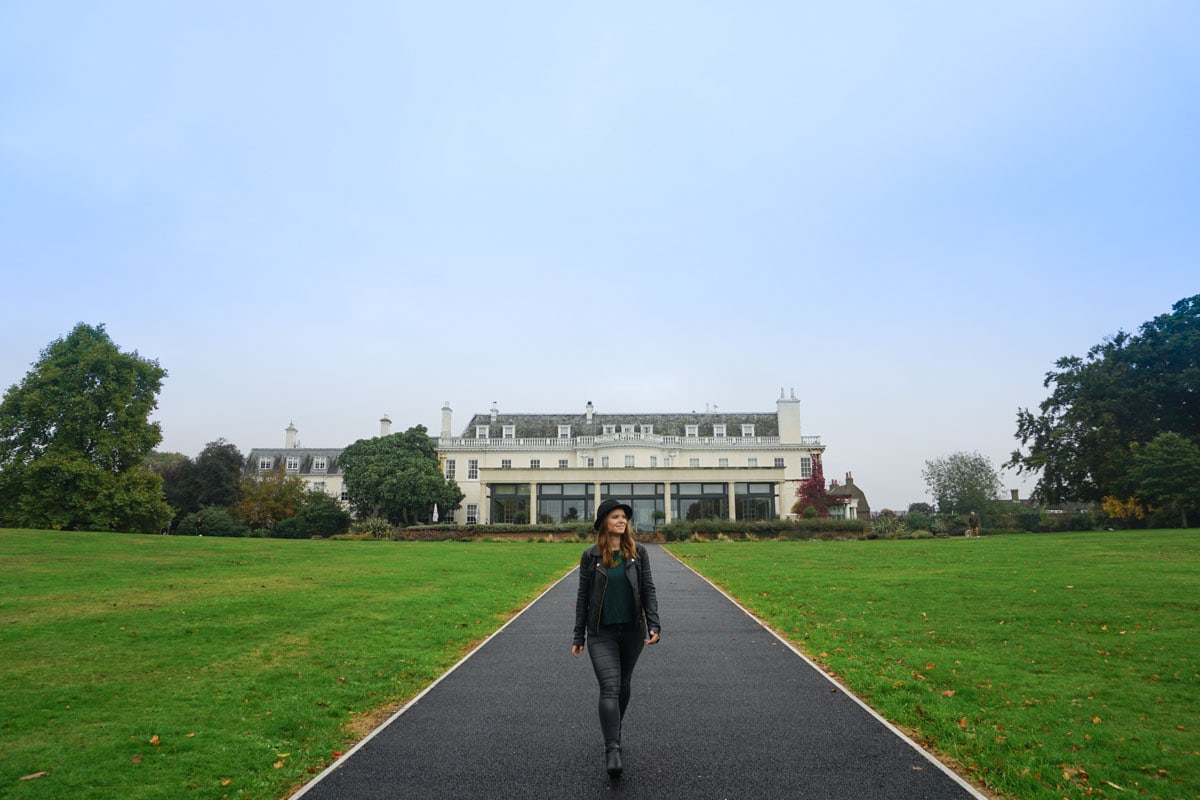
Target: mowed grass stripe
<point>153,666</point>
<point>1046,666</point>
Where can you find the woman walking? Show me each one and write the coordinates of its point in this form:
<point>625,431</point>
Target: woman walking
<point>616,612</point>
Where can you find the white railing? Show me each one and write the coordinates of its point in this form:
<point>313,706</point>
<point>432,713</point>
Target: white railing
<point>622,439</point>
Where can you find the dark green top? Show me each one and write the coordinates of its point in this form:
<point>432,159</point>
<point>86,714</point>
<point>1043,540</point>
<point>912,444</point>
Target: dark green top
<point>618,595</point>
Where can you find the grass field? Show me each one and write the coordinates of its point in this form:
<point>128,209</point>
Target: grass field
<point>162,667</point>
<point>1047,666</point>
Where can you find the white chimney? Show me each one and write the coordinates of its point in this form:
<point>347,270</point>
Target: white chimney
<point>589,412</point>
<point>787,413</point>
<point>385,426</point>
<point>446,411</point>
<point>495,411</point>
<point>290,441</point>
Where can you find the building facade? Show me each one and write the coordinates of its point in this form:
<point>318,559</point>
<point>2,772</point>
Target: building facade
<point>551,468</point>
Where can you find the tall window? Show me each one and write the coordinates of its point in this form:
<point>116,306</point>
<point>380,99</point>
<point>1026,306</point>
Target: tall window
<point>604,462</point>
<point>473,469</point>
<point>472,513</point>
<point>591,463</point>
<point>450,469</point>
<point>653,461</point>
<point>630,461</point>
<point>805,467</point>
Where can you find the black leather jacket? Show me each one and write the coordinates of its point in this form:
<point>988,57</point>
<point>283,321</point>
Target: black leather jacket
<point>593,579</point>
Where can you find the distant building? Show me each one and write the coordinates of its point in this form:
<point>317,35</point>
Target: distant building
<point>855,505</point>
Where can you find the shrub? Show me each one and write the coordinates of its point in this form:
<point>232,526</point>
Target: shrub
<point>210,521</point>
<point>375,527</point>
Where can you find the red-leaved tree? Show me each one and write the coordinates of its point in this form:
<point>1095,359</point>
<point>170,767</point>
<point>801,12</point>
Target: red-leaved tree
<point>813,494</point>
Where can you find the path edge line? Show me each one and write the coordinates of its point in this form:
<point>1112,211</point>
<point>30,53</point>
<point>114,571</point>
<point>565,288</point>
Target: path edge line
<point>342,759</point>
<point>841,687</point>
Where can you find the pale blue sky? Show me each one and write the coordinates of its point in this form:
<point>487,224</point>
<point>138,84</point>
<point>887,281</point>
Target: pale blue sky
<point>322,213</point>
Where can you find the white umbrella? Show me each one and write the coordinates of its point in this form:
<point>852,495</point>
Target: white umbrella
<point>435,514</point>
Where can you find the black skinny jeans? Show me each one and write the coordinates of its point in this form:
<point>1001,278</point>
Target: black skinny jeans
<point>614,651</point>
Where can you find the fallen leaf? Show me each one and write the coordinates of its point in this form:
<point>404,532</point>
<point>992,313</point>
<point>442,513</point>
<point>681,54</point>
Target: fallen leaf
<point>283,755</point>
<point>154,740</point>
<point>1118,788</point>
<point>191,735</point>
<point>226,782</point>
<point>137,759</point>
<point>277,764</point>
<point>948,693</point>
<point>962,723</point>
<point>1096,720</point>
<point>34,776</point>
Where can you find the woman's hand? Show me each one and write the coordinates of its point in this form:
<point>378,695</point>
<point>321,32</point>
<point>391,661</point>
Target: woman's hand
<point>577,650</point>
<point>653,638</point>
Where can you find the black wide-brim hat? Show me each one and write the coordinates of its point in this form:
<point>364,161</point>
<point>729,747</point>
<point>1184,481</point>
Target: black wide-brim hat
<point>607,507</point>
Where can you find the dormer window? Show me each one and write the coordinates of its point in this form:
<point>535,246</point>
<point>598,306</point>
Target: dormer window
<point>747,430</point>
<point>610,429</point>
<point>647,429</point>
<point>265,463</point>
<point>510,431</point>
<point>718,431</point>
<point>691,431</point>
<point>564,431</point>
<point>292,464</point>
<point>481,431</point>
<point>320,463</point>
<point>626,429</point>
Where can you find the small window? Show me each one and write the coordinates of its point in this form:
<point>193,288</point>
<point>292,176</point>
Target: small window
<point>604,462</point>
<point>510,431</point>
<point>722,462</point>
<point>345,496</point>
<point>751,462</point>
<point>292,464</point>
<point>718,431</point>
<point>564,431</point>
<point>653,461</point>
<point>691,430</point>
<point>473,469</point>
<point>506,463</point>
<point>320,463</point>
<point>535,463</point>
<point>265,463</point>
<point>318,486</point>
<point>610,429</point>
<point>591,463</point>
<point>472,513</point>
<point>647,429</point>
<point>562,463</point>
<point>748,430</point>
<point>693,462</point>
<point>450,468</point>
<point>630,461</point>
<point>481,431</point>
<point>626,429</point>
<point>779,462</point>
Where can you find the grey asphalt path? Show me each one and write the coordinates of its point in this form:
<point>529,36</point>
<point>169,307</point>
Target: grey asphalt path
<point>721,709</point>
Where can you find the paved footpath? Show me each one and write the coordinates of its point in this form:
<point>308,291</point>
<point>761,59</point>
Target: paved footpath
<point>721,709</point>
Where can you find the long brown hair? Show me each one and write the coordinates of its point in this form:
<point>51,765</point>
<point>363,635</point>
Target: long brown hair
<point>628,545</point>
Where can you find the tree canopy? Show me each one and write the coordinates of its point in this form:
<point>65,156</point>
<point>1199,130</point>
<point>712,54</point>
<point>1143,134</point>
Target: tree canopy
<point>1127,390</point>
<point>961,482</point>
<point>74,435</point>
<point>397,477</point>
<point>1166,472</point>
<point>213,479</point>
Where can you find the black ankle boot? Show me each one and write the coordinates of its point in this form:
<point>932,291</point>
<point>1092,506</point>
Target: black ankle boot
<point>612,758</point>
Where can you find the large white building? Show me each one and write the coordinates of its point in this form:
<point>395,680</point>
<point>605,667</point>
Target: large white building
<point>549,468</point>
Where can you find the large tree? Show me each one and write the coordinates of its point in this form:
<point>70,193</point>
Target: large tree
<point>961,482</point>
<point>74,436</point>
<point>269,498</point>
<point>213,479</point>
<point>1127,389</point>
<point>1166,473</point>
<point>398,477</point>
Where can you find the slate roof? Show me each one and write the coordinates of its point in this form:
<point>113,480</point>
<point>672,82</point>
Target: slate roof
<point>545,426</point>
<point>306,455</point>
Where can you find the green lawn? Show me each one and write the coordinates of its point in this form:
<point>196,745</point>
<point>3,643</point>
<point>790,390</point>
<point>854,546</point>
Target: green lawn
<point>158,667</point>
<point>1047,666</point>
